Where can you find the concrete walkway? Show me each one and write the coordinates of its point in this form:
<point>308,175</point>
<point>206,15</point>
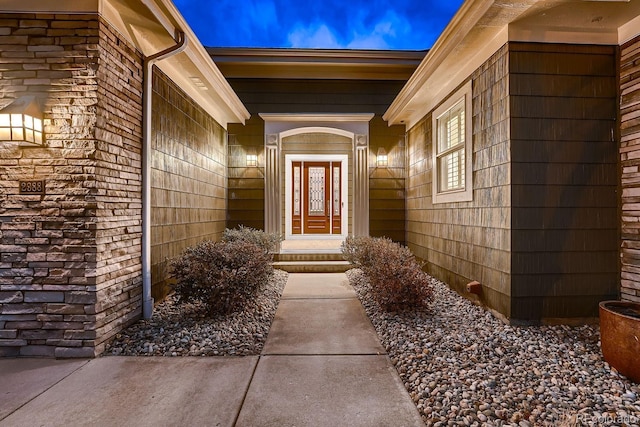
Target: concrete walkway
<point>322,365</point>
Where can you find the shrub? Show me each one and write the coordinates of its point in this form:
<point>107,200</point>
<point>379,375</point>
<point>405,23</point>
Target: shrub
<point>267,241</point>
<point>357,250</point>
<point>222,275</point>
<point>395,277</point>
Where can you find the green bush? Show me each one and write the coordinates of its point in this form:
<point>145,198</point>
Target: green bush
<point>267,241</point>
<point>395,277</point>
<point>222,275</point>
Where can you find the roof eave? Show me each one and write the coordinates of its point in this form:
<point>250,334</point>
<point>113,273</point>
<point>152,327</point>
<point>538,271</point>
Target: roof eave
<point>151,25</point>
<point>481,27</point>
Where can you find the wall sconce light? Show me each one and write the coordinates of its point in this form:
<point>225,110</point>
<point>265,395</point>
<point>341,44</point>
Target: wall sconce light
<point>21,122</point>
<point>382,160</point>
<point>252,160</point>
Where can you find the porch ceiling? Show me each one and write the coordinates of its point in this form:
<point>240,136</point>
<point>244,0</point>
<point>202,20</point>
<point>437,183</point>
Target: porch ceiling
<point>482,26</point>
<point>316,63</point>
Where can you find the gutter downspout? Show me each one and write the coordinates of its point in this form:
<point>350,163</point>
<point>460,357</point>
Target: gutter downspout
<point>181,44</point>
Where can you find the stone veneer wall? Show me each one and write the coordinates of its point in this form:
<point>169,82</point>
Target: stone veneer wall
<point>118,174</point>
<point>630,157</point>
<point>69,259</point>
<point>468,240</point>
<point>188,177</point>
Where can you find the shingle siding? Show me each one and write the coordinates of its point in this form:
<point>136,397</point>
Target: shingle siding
<point>468,241</point>
<point>564,179</point>
<point>188,178</point>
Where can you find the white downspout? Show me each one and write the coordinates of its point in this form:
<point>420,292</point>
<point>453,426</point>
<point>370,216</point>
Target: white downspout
<point>181,44</point>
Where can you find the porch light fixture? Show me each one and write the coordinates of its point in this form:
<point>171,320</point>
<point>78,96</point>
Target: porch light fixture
<point>21,122</point>
<point>252,160</point>
<point>382,160</point>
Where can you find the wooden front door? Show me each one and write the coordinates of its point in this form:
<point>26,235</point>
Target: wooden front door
<point>316,198</point>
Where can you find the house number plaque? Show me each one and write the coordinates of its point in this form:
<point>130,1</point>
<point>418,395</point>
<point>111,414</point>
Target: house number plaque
<point>31,187</point>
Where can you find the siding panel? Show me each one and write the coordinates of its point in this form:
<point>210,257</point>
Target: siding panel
<point>469,240</point>
<point>189,181</point>
<point>565,179</point>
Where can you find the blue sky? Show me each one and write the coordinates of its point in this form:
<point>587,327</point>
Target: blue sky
<point>350,24</point>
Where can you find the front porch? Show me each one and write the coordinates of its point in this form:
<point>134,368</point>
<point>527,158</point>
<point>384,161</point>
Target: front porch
<point>311,256</point>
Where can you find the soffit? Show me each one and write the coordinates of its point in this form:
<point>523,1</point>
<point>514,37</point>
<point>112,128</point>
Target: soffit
<point>151,25</point>
<point>316,63</point>
<point>594,22</point>
<point>482,26</point>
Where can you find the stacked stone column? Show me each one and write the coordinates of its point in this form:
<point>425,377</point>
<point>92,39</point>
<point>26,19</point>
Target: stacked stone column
<point>69,258</point>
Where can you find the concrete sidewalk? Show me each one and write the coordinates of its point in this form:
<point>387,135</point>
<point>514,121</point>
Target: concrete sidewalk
<point>322,365</point>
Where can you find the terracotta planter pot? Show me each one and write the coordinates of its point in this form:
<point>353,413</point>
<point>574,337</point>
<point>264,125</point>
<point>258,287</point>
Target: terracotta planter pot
<point>620,336</point>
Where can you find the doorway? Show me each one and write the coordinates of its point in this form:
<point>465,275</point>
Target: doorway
<point>316,196</point>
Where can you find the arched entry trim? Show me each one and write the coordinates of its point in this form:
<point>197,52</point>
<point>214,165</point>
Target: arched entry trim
<point>352,126</point>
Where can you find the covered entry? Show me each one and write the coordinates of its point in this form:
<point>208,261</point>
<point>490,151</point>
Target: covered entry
<point>316,183</point>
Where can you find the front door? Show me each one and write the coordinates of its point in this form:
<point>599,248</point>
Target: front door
<point>316,198</point>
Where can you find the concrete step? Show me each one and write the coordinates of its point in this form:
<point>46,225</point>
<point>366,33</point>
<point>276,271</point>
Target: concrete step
<point>307,256</point>
<point>333,266</point>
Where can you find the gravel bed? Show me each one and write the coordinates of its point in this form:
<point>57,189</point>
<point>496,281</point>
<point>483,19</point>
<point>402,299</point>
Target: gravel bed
<point>463,366</point>
<point>184,330</point>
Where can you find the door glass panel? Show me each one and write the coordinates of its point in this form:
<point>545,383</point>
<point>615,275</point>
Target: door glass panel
<point>336,190</point>
<point>316,191</point>
<point>296,190</point>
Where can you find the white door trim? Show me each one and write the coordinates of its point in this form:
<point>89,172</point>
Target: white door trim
<point>344,212</point>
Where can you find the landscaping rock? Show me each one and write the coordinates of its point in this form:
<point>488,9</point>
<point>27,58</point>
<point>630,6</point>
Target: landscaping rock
<point>184,329</point>
<point>460,364</point>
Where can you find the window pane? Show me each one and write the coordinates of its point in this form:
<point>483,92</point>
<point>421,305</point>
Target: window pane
<point>17,134</point>
<point>451,127</point>
<point>28,121</point>
<point>37,124</point>
<point>451,171</point>
<point>16,120</point>
<point>5,134</point>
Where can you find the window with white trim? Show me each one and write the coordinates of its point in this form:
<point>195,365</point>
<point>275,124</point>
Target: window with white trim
<point>452,149</point>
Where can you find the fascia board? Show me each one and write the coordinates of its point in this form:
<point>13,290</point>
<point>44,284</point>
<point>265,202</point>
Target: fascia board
<point>464,20</point>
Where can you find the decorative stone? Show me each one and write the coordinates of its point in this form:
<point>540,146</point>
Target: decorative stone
<point>73,352</point>
<point>43,297</point>
<point>10,297</point>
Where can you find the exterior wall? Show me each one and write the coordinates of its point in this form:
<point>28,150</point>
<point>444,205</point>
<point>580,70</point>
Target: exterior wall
<point>564,179</point>
<point>630,158</point>
<point>68,268</point>
<point>468,240</point>
<point>245,194</point>
<point>541,232</point>
<point>118,179</point>
<point>387,184</point>
<point>188,177</point>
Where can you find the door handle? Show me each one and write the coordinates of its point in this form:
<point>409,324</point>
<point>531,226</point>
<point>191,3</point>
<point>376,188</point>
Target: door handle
<point>328,209</point>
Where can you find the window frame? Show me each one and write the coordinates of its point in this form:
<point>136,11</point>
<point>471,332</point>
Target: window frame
<point>464,194</point>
